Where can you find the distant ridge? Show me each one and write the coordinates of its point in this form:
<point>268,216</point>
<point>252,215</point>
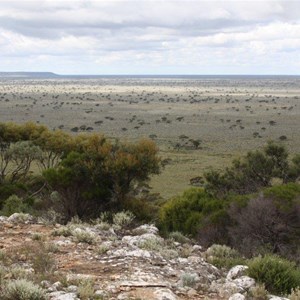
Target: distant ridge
<point>29,74</point>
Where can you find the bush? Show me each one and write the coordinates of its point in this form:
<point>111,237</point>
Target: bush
<point>278,275</point>
<point>188,279</point>
<point>295,294</point>
<point>258,292</point>
<point>178,237</point>
<point>186,213</point>
<point>22,289</point>
<point>123,218</point>
<point>86,289</point>
<point>223,256</point>
<point>13,204</point>
<point>268,223</point>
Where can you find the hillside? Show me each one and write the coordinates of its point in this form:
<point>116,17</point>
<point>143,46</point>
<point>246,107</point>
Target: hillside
<point>83,261</point>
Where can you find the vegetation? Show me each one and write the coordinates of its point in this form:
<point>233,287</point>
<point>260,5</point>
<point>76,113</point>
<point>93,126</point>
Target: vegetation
<point>254,171</point>
<point>88,173</point>
<point>280,276</point>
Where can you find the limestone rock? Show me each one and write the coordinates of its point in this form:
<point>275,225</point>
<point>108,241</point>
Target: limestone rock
<point>244,282</point>
<point>62,296</point>
<point>237,296</point>
<point>165,294</point>
<point>236,272</point>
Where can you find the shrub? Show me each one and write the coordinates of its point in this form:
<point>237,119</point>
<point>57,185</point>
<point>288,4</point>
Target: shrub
<point>178,237</point>
<point>152,244</point>
<point>278,275</point>
<point>123,218</point>
<point>22,289</point>
<point>83,236</point>
<point>86,289</point>
<point>223,256</point>
<point>13,204</point>
<point>188,279</point>
<point>254,171</point>
<point>268,223</point>
<point>295,294</point>
<point>258,292</point>
<point>186,213</point>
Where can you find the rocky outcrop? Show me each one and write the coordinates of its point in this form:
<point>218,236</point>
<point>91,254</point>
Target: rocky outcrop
<point>124,264</point>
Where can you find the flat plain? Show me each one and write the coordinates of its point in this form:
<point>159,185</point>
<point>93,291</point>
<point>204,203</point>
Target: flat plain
<point>197,122</point>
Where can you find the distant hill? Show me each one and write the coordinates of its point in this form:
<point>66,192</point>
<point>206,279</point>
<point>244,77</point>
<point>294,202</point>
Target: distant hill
<point>29,74</point>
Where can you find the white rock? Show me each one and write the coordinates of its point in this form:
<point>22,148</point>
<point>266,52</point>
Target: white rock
<point>277,298</point>
<point>237,296</point>
<point>72,288</point>
<point>57,285</point>
<point>63,243</point>
<point>147,229</point>
<point>236,272</point>
<point>244,282</point>
<point>195,259</point>
<point>101,293</point>
<point>139,239</point>
<point>196,248</point>
<point>3,219</point>
<point>19,218</point>
<point>132,253</point>
<point>164,294</point>
<point>62,296</point>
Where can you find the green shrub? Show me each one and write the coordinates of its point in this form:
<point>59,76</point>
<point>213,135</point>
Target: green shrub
<point>22,289</point>
<point>86,289</point>
<point>178,237</point>
<point>123,218</point>
<point>278,275</point>
<point>188,279</point>
<point>186,213</point>
<point>13,204</point>
<point>223,256</point>
<point>142,209</point>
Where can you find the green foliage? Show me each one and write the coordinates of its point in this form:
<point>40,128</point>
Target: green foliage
<point>254,171</point>
<point>123,218</point>
<point>143,209</point>
<point>278,275</point>
<point>13,204</point>
<point>22,289</point>
<point>86,289</point>
<point>223,256</point>
<point>90,173</point>
<point>187,213</point>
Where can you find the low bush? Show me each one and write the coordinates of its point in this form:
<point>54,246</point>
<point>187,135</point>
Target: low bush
<point>22,289</point>
<point>295,294</point>
<point>13,204</point>
<point>187,213</point>
<point>223,256</point>
<point>278,275</point>
<point>258,292</point>
<point>123,218</point>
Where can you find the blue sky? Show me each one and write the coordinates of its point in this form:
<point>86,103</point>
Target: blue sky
<point>150,37</point>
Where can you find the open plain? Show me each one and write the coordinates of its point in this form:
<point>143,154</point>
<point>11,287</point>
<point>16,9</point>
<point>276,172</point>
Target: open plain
<point>198,122</point>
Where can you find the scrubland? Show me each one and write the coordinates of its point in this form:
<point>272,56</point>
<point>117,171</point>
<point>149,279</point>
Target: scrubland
<point>197,123</point>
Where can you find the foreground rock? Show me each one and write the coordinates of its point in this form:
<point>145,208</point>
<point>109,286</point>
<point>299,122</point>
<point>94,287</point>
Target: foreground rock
<point>112,263</point>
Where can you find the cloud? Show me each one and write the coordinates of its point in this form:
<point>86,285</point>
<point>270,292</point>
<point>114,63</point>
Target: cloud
<point>161,35</point>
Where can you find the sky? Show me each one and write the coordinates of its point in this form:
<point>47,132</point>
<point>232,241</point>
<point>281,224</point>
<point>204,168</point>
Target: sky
<point>151,37</point>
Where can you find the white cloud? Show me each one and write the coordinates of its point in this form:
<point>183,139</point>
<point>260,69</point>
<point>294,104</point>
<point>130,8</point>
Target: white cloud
<point>150,36</point>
